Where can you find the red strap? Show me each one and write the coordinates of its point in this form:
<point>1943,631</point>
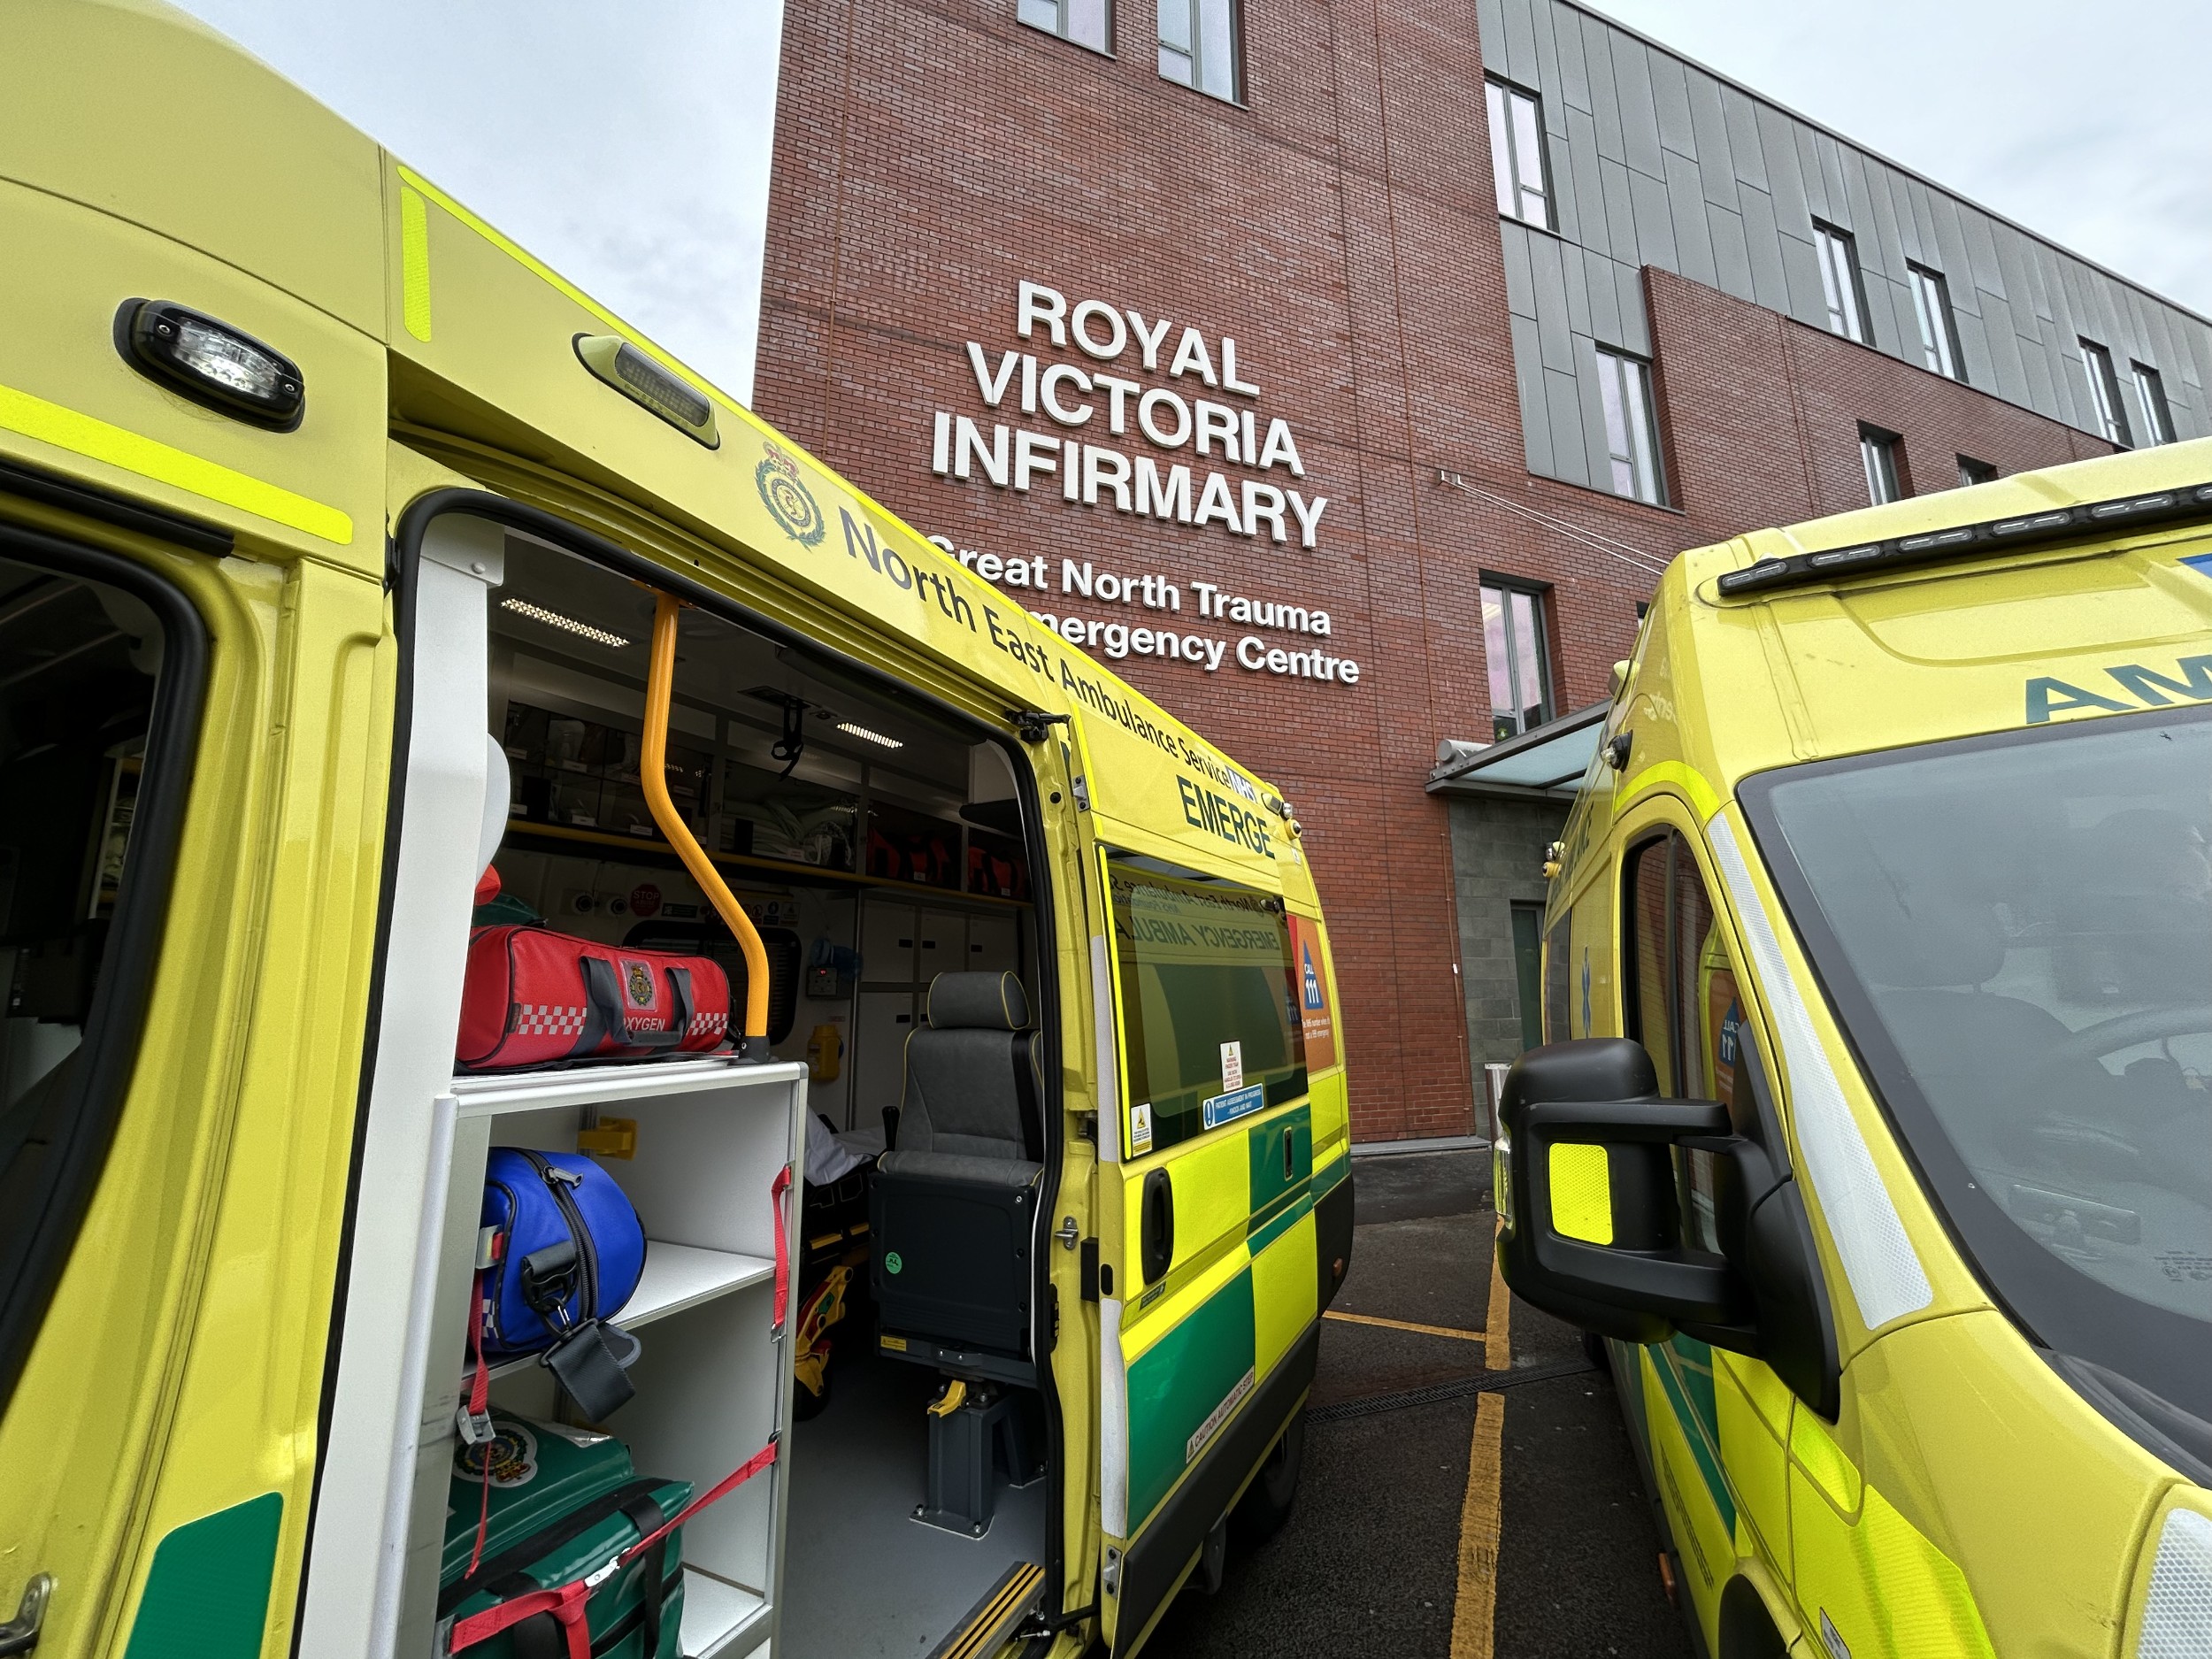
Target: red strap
<point>776,1192</point>
<point>566,1604</point>
<point>738,1477</point>
<point>479,1403</point>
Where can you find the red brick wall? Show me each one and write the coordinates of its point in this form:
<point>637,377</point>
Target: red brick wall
<point>931,153</point>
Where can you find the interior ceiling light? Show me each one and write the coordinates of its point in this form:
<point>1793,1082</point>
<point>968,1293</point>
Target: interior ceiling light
<point>554,619</point>
<point>865,735</point>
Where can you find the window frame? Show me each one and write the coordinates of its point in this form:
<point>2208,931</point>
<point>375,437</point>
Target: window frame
<point>1507,177</point>
<point>1539,595</point>
<point>1620,371</point>
<point>1972,471</point>
<point>2104,393</point>
<point>2150,397</point>
<point>1195,55</point>
<point>1938,324</point>
<point>1837,250</point>
<point>1104,46</point>
<point>115,1025</point>
<point>1882,459</point>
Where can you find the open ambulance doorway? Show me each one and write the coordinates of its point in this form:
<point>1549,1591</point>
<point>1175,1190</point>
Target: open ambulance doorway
<point>884,849</point>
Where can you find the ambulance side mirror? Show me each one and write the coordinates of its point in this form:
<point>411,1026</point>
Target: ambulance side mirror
<point>1585,1182</point>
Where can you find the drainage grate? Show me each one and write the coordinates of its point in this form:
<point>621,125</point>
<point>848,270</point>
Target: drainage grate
<point>1367,1405</point>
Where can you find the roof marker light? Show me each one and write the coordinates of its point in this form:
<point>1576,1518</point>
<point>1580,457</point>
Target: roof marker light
<point>523,607</point>
<point>2187,504</point>
<point>863,733</point>
<point>645,383</point>
<point>211,363</point>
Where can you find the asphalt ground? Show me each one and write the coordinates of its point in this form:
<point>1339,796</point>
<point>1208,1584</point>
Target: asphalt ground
<point>1503,1523</point>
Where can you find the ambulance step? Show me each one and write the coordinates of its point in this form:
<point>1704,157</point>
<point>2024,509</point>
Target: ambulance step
<point>992,1620</point>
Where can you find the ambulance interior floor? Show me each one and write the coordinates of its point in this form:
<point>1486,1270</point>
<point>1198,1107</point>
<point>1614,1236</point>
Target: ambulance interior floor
<point>862,1578</point>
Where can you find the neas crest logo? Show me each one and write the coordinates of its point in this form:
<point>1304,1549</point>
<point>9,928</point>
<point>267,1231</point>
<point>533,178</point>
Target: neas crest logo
<point>789,503</point>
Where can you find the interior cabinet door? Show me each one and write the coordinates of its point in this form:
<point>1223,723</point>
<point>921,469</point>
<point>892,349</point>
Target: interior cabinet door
<point>940,945</point>
<point>880,1053</point>
<point>993,944</point>
<point>887,942</point>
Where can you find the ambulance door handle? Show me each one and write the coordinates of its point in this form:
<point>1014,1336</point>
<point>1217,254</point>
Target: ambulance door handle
<point>1159,1225</point>
<point>20,1634</point>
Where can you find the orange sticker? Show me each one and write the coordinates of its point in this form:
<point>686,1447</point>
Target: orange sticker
<point>1308,961</point>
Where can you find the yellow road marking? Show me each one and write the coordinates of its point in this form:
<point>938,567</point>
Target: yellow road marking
<point>1406,1324</point>
<point>1474,1610</point>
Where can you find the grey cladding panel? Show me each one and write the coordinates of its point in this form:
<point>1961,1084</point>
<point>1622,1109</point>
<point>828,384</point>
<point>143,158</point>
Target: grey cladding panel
<point>1731,257</point>
<point>1745,150</point>
<point>1574,75</point>
<point>1628,284</point>
<point>1520,44</point>
<point>1541,15</point>
<point>1671,96</point>
<point>1563,400</point>
<point>1528,374</point>
<point>1762,242</point>
<point>1578,158</point>
<point>1520,282</point>
<point>1600,279</point>
<point>1785,180</point>
<point>1818,204</point>
<point>1692,238</point>
<point>1553,330</point>
<point>1714,166</point>
<point>1639,117</point>
<point>1605,103</point>
<point>1655,222</point>
<point>1620,211</point>
<point>1808,301</point>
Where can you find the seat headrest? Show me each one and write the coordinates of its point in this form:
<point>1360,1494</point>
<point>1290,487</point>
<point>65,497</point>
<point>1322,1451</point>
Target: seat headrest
<point>977,1001</point>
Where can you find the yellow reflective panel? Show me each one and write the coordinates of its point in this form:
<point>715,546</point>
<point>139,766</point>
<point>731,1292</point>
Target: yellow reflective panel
<point>1581,1193</point>
<point>82,434</point>
<point>1869,1582</point>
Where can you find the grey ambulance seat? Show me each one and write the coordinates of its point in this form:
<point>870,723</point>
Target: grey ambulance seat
<point>953,1204</point>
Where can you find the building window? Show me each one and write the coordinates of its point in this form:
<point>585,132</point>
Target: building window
<point>1085,22</point>
<point>1878,451</point>
<point>1516,155</point>
<point>1840,282</point>
<point>1520,673</point>
<point>1938,330</point>
<point>2104,393</point>
<point>2150,397</point>
<point>1972,472</point>
<point>1631,437</point>
<point>1202,45</point>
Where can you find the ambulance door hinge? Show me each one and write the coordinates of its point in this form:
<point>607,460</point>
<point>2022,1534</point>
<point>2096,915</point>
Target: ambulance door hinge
<point>1035,725</point>
<point>20,1633</point>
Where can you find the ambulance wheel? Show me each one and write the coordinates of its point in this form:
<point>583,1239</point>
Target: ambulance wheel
<point>1265,1506</point>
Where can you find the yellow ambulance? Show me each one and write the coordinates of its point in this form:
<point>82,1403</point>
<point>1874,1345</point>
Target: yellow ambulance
<point>351,557</point>
<point>1872,1133</point>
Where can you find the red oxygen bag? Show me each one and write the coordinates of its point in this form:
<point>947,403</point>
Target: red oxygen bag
<point>533,996</point>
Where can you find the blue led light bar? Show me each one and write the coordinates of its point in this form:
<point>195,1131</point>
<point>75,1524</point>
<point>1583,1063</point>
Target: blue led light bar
<point>1974,540</point>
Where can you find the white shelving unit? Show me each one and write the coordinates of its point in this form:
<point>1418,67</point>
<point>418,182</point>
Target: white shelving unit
<point>712,1383</point>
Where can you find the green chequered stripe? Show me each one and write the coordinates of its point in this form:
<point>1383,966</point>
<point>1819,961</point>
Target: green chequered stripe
<point>1180,1382</point>
<point>1684,1366</point>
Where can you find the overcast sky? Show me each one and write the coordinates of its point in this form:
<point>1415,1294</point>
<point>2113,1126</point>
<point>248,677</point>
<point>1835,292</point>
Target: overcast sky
<point>626,141</point>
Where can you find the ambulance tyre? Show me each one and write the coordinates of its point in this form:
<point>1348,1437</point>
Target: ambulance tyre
<point>1266,1503</point>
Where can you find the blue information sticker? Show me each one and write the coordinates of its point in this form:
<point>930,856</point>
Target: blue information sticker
<point>1240,1102</point>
